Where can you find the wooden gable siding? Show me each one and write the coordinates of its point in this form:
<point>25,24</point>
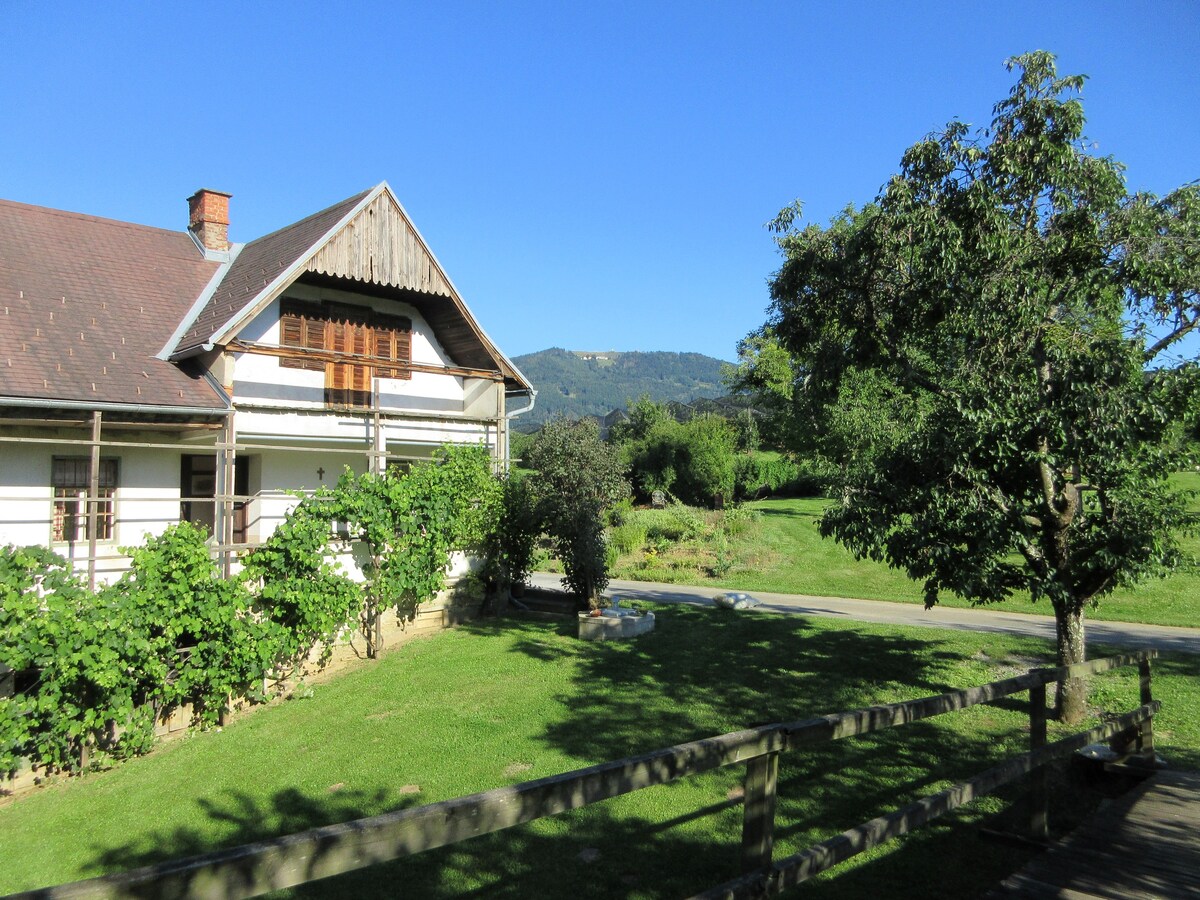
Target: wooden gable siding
<point>380,245</point>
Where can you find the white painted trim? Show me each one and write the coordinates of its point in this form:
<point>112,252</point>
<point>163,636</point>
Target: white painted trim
<point>201,302</point>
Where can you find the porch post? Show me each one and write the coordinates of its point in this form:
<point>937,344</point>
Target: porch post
<point>93,502</point>
<point>226,483</point>
<point>378,460</point>
<point>501,454</point>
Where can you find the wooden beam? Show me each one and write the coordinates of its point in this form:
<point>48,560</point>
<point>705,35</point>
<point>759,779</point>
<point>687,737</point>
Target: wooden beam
<point>801,866</point>
<point>323,852</point>
<point>1039,790</point>
<point>758,814</point>
<point>238,346</point>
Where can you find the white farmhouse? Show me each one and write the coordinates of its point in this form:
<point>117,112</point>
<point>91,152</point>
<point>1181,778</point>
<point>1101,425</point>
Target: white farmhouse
<point>148,376</point>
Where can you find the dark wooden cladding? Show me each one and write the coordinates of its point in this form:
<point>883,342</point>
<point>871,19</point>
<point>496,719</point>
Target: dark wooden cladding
<point>446,315</point>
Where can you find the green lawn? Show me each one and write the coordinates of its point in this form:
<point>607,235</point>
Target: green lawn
<point>499,702</point>
<point>783,552</point>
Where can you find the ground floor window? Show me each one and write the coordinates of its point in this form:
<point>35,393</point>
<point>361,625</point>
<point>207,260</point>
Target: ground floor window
<point>70,478</point>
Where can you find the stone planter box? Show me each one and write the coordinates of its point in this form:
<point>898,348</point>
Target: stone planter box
<point>607,627</point>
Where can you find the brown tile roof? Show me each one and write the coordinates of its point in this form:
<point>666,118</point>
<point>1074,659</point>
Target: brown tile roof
<point>258,264</point>
<point>86,303</point>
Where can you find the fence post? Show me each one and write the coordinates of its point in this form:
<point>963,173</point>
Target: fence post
<point>1145,738</point>
<point>1038,789</point>
<point>758,823</point>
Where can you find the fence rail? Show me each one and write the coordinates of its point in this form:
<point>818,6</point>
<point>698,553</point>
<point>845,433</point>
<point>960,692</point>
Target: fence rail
<point>295,859</point>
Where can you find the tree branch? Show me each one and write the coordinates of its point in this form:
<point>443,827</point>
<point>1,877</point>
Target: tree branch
<point>1164,342</point>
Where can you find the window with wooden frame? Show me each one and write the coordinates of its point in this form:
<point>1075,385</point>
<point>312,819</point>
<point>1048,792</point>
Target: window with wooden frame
<point>70,479</point>
<point>354,333</point>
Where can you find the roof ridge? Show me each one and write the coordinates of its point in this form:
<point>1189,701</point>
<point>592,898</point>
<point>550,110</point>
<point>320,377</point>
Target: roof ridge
<point>89,217</point>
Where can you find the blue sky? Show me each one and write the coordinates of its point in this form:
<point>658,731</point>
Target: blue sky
<point>592,176</point>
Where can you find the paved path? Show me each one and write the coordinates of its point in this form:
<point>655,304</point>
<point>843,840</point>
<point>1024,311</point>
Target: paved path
<point>1119,634</point>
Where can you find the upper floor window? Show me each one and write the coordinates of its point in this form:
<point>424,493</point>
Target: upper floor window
<point>358,339</point>
<point>70,478</point>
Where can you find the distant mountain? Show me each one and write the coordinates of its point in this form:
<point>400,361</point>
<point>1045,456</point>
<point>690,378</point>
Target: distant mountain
<point>578,383</point>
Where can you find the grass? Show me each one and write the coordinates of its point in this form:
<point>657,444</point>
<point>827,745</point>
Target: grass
<point>781,551</point>
<point>500,702</point>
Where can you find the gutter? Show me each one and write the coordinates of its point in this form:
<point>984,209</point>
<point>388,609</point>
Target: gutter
<point>83,405</point>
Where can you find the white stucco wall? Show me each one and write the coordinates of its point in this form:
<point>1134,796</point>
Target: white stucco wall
<point>146,499</point>
<point>294,442</point>
<point>259,377</point>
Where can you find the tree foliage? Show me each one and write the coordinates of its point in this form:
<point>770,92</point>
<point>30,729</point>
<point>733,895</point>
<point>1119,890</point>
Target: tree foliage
<point>693,460</point>
<point>1001,300</point>
<point>577,477</point>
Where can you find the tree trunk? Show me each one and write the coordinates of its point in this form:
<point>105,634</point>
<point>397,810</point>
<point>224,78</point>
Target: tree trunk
<point>371,627</point>
<point>1071,697</point>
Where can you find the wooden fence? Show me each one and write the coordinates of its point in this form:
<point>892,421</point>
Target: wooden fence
<point>332,850</point>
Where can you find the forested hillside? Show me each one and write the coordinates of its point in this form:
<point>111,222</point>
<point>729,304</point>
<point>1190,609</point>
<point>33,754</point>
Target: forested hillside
<point>579,383</point>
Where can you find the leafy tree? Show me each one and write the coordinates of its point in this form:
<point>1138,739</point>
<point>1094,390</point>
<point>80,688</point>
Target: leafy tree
<point>577,478</point>
<point>693,459</point>
<point>1007,292</point>
<point>645,415</point>
<point>512,544</point>
<point>771,375</point>
<point>707,470</point>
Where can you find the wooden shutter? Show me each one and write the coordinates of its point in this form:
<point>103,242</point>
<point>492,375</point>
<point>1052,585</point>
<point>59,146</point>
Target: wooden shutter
<point>393,341</point>
<point>348,383</point>
<point>301,326</point>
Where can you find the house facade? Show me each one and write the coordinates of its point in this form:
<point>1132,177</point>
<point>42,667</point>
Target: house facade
<point>149,376</point>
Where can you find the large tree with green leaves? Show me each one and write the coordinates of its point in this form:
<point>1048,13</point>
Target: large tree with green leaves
<point>1029,311</point>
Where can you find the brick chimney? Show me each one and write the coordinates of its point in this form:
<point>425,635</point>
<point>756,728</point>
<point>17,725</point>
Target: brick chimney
<point>208,219</point>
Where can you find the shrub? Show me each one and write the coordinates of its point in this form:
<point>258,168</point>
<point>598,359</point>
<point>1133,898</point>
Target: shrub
<point>577,478</point>
<point>513,543</point>
<point>628,538</point>
<point>693,460</point>
<point>201,642</point>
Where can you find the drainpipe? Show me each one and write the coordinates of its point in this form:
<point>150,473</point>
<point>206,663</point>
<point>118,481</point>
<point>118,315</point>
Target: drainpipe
<point>531,393</point>
<point>509,416</point>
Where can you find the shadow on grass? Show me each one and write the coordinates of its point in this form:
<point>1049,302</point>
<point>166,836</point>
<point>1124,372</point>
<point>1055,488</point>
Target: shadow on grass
<point>238,818</point>
<point>702,672</point>
<point>774,512</point>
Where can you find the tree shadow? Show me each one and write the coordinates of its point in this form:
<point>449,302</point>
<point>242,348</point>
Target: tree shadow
<point>778,513</point>
<point>236,818</point>
<point>702,672</point>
